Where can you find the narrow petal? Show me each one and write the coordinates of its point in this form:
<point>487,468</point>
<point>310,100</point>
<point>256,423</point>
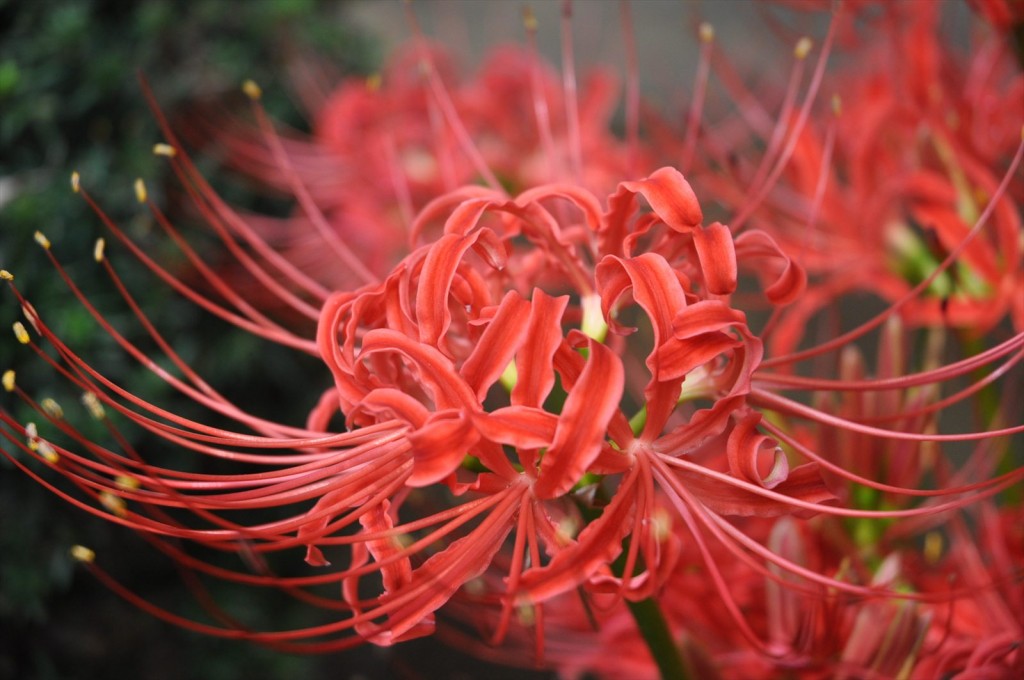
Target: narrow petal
<point>534,362</point>
<point>717,256</point>
<point>502,338</point>
<point>583,422</point>
<point>744,452</point>
<point>790,279</point>
<point>440,446</point>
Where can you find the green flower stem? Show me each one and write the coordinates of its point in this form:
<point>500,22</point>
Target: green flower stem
<point>655,631</point>
<point>654,628</point>
<point>638,421</point>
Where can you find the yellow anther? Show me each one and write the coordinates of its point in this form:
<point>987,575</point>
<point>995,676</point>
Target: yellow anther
<point>20,333</point>
<point>661,525</point>
<point>706,32</point>
<point>41,239</point>
<point>127,482</point>
<point>933,545</point>
<point>97,250</point>
<point>8,380</point>
<point>837,105</point>
<point>164,150</point>
<point>32,436</point>
<point>48,453</point>
<point>82,554</point>
<point>92,402</point>
<point>252,90</point>
<point>373,82</point>
<point>52,408</point>
<point>140,190</point>
<point>526,615</point>
<point>529,19</point>
<point>76,182</point>
<point>114,504</point>
<point>803,47</point>
<point>6,275</point>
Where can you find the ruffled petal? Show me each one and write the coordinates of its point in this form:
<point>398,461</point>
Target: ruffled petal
<point>583,422</point>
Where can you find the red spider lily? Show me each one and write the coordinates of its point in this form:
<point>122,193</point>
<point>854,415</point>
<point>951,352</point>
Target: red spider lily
<point>1005,15</point>
<point>427,132</point>
<point>558,393</point>
<point>981,634</point>
<point>910,162</point>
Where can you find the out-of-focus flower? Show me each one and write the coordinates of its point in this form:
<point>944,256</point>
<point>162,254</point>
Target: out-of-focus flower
<point>874,199</point>
<point>384,147</point>
<point>1005,15</point>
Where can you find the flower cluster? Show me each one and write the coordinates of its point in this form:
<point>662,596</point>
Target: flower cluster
<point>567,412</point>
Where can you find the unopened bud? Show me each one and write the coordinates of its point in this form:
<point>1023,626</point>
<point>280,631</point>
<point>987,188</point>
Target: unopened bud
<point>76,180</point>
<point>82,554</point>
<point>140,190</point>
<point>41,239</point>
<point>97,250</point>
<point>6,275</point>
<point>8,380</point>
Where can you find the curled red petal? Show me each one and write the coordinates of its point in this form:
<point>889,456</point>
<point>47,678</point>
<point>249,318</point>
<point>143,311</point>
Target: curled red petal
<point>433,314</point>
<point>387,403</point>
<point>440,446</point>
<point>717,255</point>
<point>744,450</point>
<point>436,372</point>
<point>803,483</point>
<point>519,426</point>
<point>671,198</point>
<point>597,546</point>
<point>534,362</point>
<point>395,574</point>
<point>669,195</point>
<point>502,338</point>
<point>790,279</point>
<point>437,579</point>
<point>583,423</point>
<point>705,424</point>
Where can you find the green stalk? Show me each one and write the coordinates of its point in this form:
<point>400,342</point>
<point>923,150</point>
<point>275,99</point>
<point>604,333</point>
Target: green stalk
<point>654,628</point>
<point>655,631</point>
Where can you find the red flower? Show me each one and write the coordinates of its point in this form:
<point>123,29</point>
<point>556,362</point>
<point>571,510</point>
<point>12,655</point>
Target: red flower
<point>563,388</point>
